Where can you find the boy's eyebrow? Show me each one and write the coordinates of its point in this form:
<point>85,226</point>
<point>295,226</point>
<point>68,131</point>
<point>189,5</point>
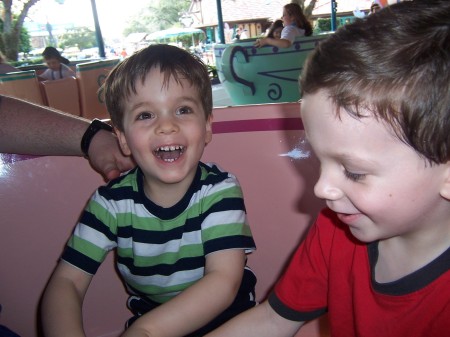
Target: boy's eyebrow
<point>189,98</point>
<point>182,98</point>
<point>137,105</point>
<point>346,157</point>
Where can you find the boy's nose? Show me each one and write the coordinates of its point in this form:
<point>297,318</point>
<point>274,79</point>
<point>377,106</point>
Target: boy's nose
<point>167,124</point>
<point>326,189</point>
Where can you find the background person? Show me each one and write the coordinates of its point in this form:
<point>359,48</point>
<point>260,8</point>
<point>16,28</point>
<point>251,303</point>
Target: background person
<point>179,226</point>
<point>375,7</point>
<point>275,29</point>
<point>5,67</point>
<point>57,65</point>
<point>295,24</point>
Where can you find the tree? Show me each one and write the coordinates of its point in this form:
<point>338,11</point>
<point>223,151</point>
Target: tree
<point>308,9</point>
<point>83,37</point>
<point>158,15</point>
<point>24,40</point>
<point>12,26</point>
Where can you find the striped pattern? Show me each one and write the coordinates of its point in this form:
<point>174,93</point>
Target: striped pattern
<point>161,251</point>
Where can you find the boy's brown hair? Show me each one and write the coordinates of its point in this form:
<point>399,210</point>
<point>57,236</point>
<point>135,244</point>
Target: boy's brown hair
<point>398,67</point>
<point>172,61</point>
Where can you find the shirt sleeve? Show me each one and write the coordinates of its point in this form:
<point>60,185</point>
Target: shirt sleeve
<point>93,237</point>
<point>291,32</point>
<point>46,74</point>
<point>67,71</point>
<point>225,224</point>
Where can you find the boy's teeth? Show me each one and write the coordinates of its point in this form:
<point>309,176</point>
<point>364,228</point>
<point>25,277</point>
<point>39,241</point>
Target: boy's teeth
<point>170,148</point>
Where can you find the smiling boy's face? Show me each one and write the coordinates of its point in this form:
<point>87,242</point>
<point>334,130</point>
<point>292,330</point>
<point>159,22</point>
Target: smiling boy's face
<point>165,129</point>
<point>379,186</point>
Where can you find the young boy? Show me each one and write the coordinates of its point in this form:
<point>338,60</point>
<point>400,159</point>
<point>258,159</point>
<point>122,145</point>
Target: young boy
<point>179,226</point>
<point>376,100</point>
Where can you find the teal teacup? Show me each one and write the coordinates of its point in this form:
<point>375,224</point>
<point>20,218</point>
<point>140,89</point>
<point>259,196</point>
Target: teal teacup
<point>269,74</point>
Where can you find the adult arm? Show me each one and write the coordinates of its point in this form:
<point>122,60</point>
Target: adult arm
<point>269,41</point>
<point>27,128</point>
<point>260,321</point>
<point>62,302</point>
<point>198,304</point>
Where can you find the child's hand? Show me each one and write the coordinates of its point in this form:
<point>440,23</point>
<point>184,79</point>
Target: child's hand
<point>198,304</point>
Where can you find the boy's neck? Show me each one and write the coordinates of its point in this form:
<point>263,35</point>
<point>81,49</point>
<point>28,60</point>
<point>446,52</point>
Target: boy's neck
<point>398,257</point>
<point>166,195</point>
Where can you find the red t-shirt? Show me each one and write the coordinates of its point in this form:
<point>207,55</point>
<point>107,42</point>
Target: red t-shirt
<point>332,271</point>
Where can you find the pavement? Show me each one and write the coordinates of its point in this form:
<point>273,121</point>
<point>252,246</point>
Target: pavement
<point>220,96</point>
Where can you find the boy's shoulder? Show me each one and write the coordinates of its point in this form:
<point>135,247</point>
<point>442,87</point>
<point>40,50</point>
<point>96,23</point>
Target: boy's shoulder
<point>127,181</point>
<point>212,172</point>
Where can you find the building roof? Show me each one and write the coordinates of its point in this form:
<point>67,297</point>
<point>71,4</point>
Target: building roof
<point>204,12</point>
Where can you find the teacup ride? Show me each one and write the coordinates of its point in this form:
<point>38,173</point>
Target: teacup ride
<point>269,74</point>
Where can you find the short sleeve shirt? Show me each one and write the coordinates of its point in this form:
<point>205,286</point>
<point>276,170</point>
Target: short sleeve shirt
<point>64,72</point>
<point>332,271</point>
<point>161,251</point>
<point>291,32</point>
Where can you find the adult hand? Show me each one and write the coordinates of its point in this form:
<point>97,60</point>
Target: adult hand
<point>261,42</point>
<point>106,157</point>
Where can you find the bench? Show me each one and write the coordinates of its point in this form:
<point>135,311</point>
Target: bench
<point>42,197</point>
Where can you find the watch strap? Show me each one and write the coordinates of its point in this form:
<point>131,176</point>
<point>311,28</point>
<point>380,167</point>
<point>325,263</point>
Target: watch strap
<point>95,126</point>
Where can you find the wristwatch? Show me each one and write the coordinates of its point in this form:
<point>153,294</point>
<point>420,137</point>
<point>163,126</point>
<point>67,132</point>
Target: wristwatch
<point>95,126</point>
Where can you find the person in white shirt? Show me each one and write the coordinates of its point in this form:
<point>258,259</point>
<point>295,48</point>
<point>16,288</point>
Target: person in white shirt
<point>295,24</point>
<point>4,66</point>
<point>57,65</point>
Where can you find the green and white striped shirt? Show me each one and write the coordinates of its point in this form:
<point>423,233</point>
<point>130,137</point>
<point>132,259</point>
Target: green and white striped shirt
<point>160,251</point>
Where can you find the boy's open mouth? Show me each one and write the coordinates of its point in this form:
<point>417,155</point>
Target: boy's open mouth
<point>169,153</point>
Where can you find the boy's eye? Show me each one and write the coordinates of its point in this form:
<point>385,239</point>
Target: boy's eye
<point>354,176</point>
<point>145,115</point>
<point>184,110</point>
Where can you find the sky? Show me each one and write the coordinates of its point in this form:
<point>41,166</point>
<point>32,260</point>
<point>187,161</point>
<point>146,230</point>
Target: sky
<point>112,14</point>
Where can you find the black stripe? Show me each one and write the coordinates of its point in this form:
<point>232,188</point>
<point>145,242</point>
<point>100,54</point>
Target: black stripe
<point>74,257</point>
<point>291,314</point>
<point>184,264</point>
<point>229,242</point>
<point>91,221</point>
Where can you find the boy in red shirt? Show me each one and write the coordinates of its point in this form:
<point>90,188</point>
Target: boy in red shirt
<point>376,98</point>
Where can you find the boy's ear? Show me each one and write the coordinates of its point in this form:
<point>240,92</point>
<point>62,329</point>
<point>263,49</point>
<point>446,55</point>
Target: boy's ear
<point>445,189</point>
<point>122,142</point>
<point>208,136</point>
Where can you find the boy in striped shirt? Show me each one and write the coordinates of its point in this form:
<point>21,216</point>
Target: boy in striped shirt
<point>178,226</point>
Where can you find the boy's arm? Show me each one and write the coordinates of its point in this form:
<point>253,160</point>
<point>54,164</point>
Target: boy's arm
<point>63,300</point>
<point>198,304</point>
<point>260,321</point>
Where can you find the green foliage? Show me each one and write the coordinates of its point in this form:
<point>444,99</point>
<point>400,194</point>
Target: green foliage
<point>212,71</point>
<point>82,37</point>
<point>158,15</point>
<point>24,40</point>
<point>324,24</point>
<point>27,62</point>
